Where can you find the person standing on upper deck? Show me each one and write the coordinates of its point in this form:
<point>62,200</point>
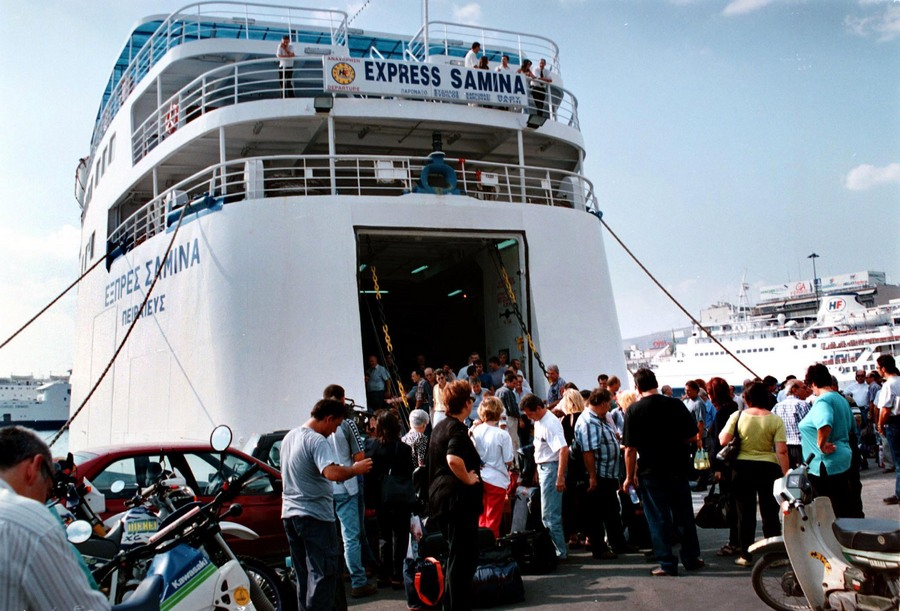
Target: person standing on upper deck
<point>285,55</point>
<point>472,55</point>
<point>504,65</point>
<point>542,80</point>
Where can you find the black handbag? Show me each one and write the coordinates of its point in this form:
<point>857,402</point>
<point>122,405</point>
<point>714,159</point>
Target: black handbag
<point>712,513</point>
<point>729,452</point>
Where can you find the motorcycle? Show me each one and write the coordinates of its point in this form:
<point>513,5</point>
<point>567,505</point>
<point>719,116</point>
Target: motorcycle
<point>825,563</point>
<point>183,545</point>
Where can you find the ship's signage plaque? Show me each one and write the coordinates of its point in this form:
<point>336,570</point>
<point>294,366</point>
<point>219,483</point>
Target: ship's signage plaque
<point>137,279</point>
<point>385,77</point>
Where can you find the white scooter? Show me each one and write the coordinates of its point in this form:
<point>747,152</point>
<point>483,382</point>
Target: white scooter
<point>826,563</point>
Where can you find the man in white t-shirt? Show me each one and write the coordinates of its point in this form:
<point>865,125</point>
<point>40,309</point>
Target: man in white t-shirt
<point>285,55</point>
<point>551,454</point>
<point>888,422</point>
<point>471,60</point>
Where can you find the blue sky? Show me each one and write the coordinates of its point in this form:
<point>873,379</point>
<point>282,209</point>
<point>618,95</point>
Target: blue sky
<point>723,138</point>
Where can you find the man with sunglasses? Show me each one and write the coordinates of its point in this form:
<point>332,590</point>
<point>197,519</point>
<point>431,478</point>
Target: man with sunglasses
<point>38,569</point>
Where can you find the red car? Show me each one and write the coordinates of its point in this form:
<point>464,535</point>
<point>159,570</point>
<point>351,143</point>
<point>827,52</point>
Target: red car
<point>202,467</point>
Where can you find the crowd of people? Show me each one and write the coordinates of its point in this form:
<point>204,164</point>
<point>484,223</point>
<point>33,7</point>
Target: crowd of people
<point>588,455</point>
<point>478,436</point>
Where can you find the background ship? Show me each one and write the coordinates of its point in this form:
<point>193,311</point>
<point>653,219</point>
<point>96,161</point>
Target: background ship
<point>303,200</point>
<point>38,403</point>
<point>846,324</point>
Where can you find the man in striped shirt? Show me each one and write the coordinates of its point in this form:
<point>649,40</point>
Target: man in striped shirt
<point>792,410</point>
<point>38,569</point>
<point>596,438</point>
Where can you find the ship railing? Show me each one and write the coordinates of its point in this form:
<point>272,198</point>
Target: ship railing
<point>260,79</point>
<point>206,20</point>
<point>455,39</point>
<point>346,175</point>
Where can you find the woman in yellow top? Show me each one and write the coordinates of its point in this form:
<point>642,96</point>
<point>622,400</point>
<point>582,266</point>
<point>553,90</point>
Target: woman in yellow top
<point>763,459</point>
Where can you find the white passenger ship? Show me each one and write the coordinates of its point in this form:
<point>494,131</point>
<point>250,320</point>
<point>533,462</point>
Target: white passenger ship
<point>34,402</point>
<point>297,197</point>
<point>783,335</point>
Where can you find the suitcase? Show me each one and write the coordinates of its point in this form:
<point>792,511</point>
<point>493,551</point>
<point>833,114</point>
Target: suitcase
<point>533,550</point>
<point>423,579</point>
<point>498,584</point>
<point>635,522</point>
<point>526,510</point>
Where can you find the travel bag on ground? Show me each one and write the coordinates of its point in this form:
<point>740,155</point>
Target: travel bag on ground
<point>423,579</point>
<point>498,584</point>
<point>533,550</point>
<point>712,513</point>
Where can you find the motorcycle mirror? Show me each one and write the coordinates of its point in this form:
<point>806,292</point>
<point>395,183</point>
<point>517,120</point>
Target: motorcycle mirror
<point>117,486</point>
<point>79,531</point>
<point>221,437</point>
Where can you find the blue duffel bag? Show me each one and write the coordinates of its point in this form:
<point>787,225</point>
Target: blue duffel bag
<point>498,584</point>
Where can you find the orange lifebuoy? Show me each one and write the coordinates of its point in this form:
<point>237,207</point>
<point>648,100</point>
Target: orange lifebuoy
<point>172,118</point>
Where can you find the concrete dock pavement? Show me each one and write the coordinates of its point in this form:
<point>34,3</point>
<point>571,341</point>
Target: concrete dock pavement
<point>626,583</point>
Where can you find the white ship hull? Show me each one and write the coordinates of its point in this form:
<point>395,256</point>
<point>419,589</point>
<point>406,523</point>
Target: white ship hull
<point>776,356</point>
<point>266,311</point>
<point>34,403</point>
<point>264,302</point>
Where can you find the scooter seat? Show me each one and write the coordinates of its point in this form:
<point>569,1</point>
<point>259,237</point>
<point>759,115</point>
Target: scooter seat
<point>868,535</point>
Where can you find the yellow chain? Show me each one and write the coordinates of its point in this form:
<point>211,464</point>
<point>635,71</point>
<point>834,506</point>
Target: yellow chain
<point>512,298</point>
<point>387,339</point>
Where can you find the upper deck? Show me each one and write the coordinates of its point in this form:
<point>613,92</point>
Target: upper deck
<point>198,98</point>
<point>256,29</point>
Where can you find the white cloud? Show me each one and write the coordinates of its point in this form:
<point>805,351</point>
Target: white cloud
<point>468,13</point>
<point>33,271</point>
<point>742,7</point>
<point>866,176</point>
<point>884,26</point>
<point>59,246</point>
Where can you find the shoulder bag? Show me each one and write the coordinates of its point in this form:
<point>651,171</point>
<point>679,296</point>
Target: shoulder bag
<point>729,453</point>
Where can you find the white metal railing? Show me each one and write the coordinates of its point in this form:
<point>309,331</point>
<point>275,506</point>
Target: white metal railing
<point>227,85</point>
<point>294,175</point>
<point>260,79</point>
<point>197,22</point>
<point>451,39</point>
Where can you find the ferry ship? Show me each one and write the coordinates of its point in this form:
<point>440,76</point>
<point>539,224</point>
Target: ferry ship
<point>783,334</point>
<point>32,402</point>
<point>377,197</point>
